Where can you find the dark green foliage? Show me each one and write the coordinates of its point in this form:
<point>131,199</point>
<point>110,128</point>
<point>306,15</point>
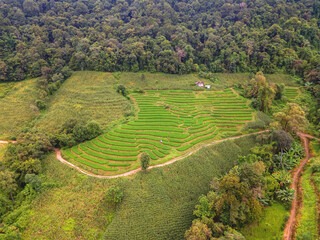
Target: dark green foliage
<point>114,195</point>
<point>66,72</point>
<point>81,133</point>
<point>119,36</point>
<point>261,92</point>
<point>34,181</point>
<point>315,165</point>
<point>279,91</point>
<point>233,201</point>
<point>122,90</point>
<point>5,204</point>
<point>25,156</point>
<point>144,161</point>
<point>237,198</point>
<point>285,195</point>
<point>93,130</point>
<point>41,104</point>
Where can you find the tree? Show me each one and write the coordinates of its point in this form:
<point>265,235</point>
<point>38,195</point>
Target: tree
<point>114,195</point>
<point>292,119</point>
<point>79,133</point>
<point>93,130</point>
<point>198,231</point>
<point>3,71</point>
<point>122,90</point>
<point>7,182</point>
<point>46,71</point>
<point>284,141</point>
<point>262,92</point>
<point>144,161</point>
<point>57,77</point>
<point>30,8</point>
<point>34,181</point>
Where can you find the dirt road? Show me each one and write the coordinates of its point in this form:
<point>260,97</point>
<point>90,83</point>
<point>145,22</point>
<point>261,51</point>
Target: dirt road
<point>296,204</point>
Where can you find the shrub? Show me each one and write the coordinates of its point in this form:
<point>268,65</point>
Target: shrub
<point>114,195</point>
<point>315,166</point>
<point>66,72</point>
<point>79,133</point>
<point>41,104</point>
<point>93,130</point>
<point>254,125</point>
<point>116,75</point>
<point>122,90</point>
<point>34,181</point>
<point>285,195</point>
<point>285,220</point>
<point>144,161</point>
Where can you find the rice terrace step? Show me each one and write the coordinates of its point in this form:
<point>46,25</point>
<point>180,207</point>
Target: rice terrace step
<point>168,124</point>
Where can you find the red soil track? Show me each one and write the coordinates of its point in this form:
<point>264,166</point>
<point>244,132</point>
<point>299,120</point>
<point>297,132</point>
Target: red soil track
<point>289,230</point>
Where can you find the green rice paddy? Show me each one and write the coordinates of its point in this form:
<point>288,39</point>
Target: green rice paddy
<point>291,93</point>
<point>168,124</point>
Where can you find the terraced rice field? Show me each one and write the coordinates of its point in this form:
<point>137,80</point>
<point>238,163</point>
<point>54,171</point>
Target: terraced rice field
<point>291,92</point>
<point>168,124</point>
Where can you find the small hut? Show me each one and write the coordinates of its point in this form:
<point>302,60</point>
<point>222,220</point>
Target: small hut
<point>200,84</point>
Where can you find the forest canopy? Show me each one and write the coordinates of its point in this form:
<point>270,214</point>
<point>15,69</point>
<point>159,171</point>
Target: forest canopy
<point>171,36</point>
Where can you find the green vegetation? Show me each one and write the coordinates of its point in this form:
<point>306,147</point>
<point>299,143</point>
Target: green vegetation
<point>291,93</point>
<point>165,197</point>
<point>144,161</point>
<point>271,224</point>
<point>69,197</point>
<point>83,97</point>
<point>69,205</point>
<point>238,198</point>
<point>114,195</point>
<point>5,88</point>
<point>17,108</point>
<point>172,37</point>
<point>130,107</point>
<point>307,228</point>
<point>2,150</point>
<point>167,121</point>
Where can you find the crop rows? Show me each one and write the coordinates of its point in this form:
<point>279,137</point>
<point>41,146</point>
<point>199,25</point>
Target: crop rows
<point>166,121</point>
<point>291,93</point>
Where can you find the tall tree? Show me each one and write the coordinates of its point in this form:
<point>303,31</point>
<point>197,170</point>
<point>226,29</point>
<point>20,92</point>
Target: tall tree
<point>292,118</point>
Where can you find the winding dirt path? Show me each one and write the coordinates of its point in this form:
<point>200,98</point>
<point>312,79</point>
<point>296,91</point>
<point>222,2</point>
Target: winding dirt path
<point>289,230</point>
<point>61,159</point>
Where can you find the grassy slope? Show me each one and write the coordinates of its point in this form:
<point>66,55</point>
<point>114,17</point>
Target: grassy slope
<point>270,226</point>
<point>16,107</point>
<point>91,95</point>
<point>167,81</point>
<point>2,149</point>
<point>160,203</point>
<point>307,228</point>
<point>157,204</point>
<point>72,209</point>
<point>228,79</point>
<point>84,96</point>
